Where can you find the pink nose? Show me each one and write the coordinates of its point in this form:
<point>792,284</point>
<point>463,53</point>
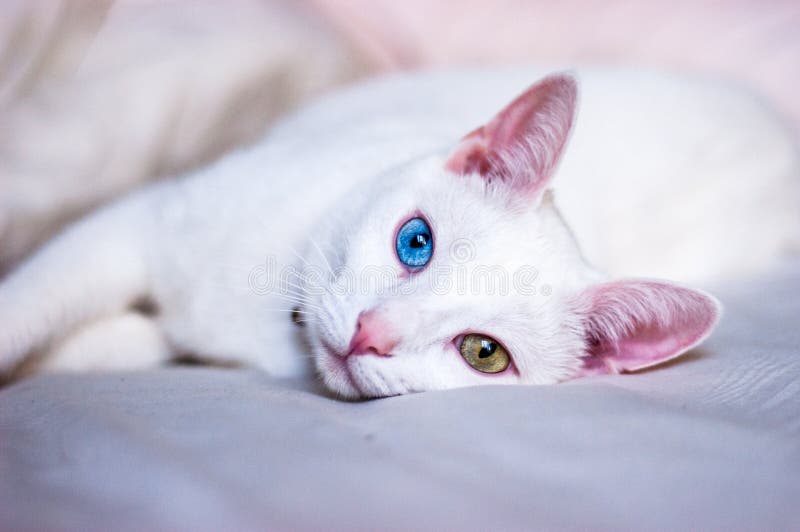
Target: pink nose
<point>373,335</point>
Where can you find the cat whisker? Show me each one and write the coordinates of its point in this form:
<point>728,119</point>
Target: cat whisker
<point>304,289</point>
<point>294,297</point>
<point>297,315</point>
<point>297,286</point>
<point>304,305</point>
<point>322,254</point>
<point>300,257</point>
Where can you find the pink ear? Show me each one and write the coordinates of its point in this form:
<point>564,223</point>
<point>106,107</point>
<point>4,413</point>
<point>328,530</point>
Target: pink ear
<point>631,325</point>
<point>523,143</point>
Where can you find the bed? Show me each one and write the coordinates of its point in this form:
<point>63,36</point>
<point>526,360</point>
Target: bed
<point>710,441</point>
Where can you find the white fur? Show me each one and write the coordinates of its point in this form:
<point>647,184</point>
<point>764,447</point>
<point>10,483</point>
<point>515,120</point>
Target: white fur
<point>659,171</point>
<point>128,341</point>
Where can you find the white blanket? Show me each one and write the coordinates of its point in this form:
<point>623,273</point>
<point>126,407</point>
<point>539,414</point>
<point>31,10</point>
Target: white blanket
<point>101,96</point>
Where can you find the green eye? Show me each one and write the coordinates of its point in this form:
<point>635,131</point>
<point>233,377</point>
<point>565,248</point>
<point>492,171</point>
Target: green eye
<point>484,353</point>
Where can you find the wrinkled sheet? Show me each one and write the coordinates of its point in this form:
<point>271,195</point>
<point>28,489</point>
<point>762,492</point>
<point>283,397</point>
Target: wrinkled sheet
<point>98,97</point>
<point>752,42</point>
<point>707,442</point>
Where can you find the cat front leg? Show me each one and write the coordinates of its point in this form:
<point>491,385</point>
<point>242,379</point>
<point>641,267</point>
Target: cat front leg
<point>125,342</point>
<point>95,269</point>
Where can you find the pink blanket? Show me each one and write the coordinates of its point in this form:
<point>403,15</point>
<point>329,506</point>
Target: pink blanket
<point>752,41</point>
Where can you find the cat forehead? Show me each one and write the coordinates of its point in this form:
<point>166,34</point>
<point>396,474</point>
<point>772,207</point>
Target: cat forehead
<point>474,224</point>
<point>475,229</point>
<point>453,204</point>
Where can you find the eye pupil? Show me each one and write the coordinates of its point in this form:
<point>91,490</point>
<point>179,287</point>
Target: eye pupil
<point>487,349</point>
<point>419,241</point>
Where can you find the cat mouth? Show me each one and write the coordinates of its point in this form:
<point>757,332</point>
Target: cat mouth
<point>336,364</point>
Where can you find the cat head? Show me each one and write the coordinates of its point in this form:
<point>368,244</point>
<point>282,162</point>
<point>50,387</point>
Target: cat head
<point>458,270</point>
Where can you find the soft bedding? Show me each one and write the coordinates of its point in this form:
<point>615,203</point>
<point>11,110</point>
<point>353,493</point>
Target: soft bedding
<point>707,442</point>
<point>710,441</point>
<point>99,97</point>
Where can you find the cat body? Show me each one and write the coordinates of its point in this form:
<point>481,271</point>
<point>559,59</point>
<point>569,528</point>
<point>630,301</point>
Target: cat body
<point>652,183</point>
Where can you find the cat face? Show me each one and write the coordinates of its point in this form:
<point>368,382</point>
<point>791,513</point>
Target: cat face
<point>457,270</point>
<point>404,326</point>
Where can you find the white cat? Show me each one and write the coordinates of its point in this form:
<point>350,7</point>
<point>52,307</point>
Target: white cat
<point>416,261</point>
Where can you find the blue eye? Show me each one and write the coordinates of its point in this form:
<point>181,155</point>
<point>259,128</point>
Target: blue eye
<point>414,243</point>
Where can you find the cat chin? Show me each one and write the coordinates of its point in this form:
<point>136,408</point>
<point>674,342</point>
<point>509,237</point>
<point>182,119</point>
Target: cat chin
<point>348,378</point>
<point>336,375</point>
<point>343,388</point>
